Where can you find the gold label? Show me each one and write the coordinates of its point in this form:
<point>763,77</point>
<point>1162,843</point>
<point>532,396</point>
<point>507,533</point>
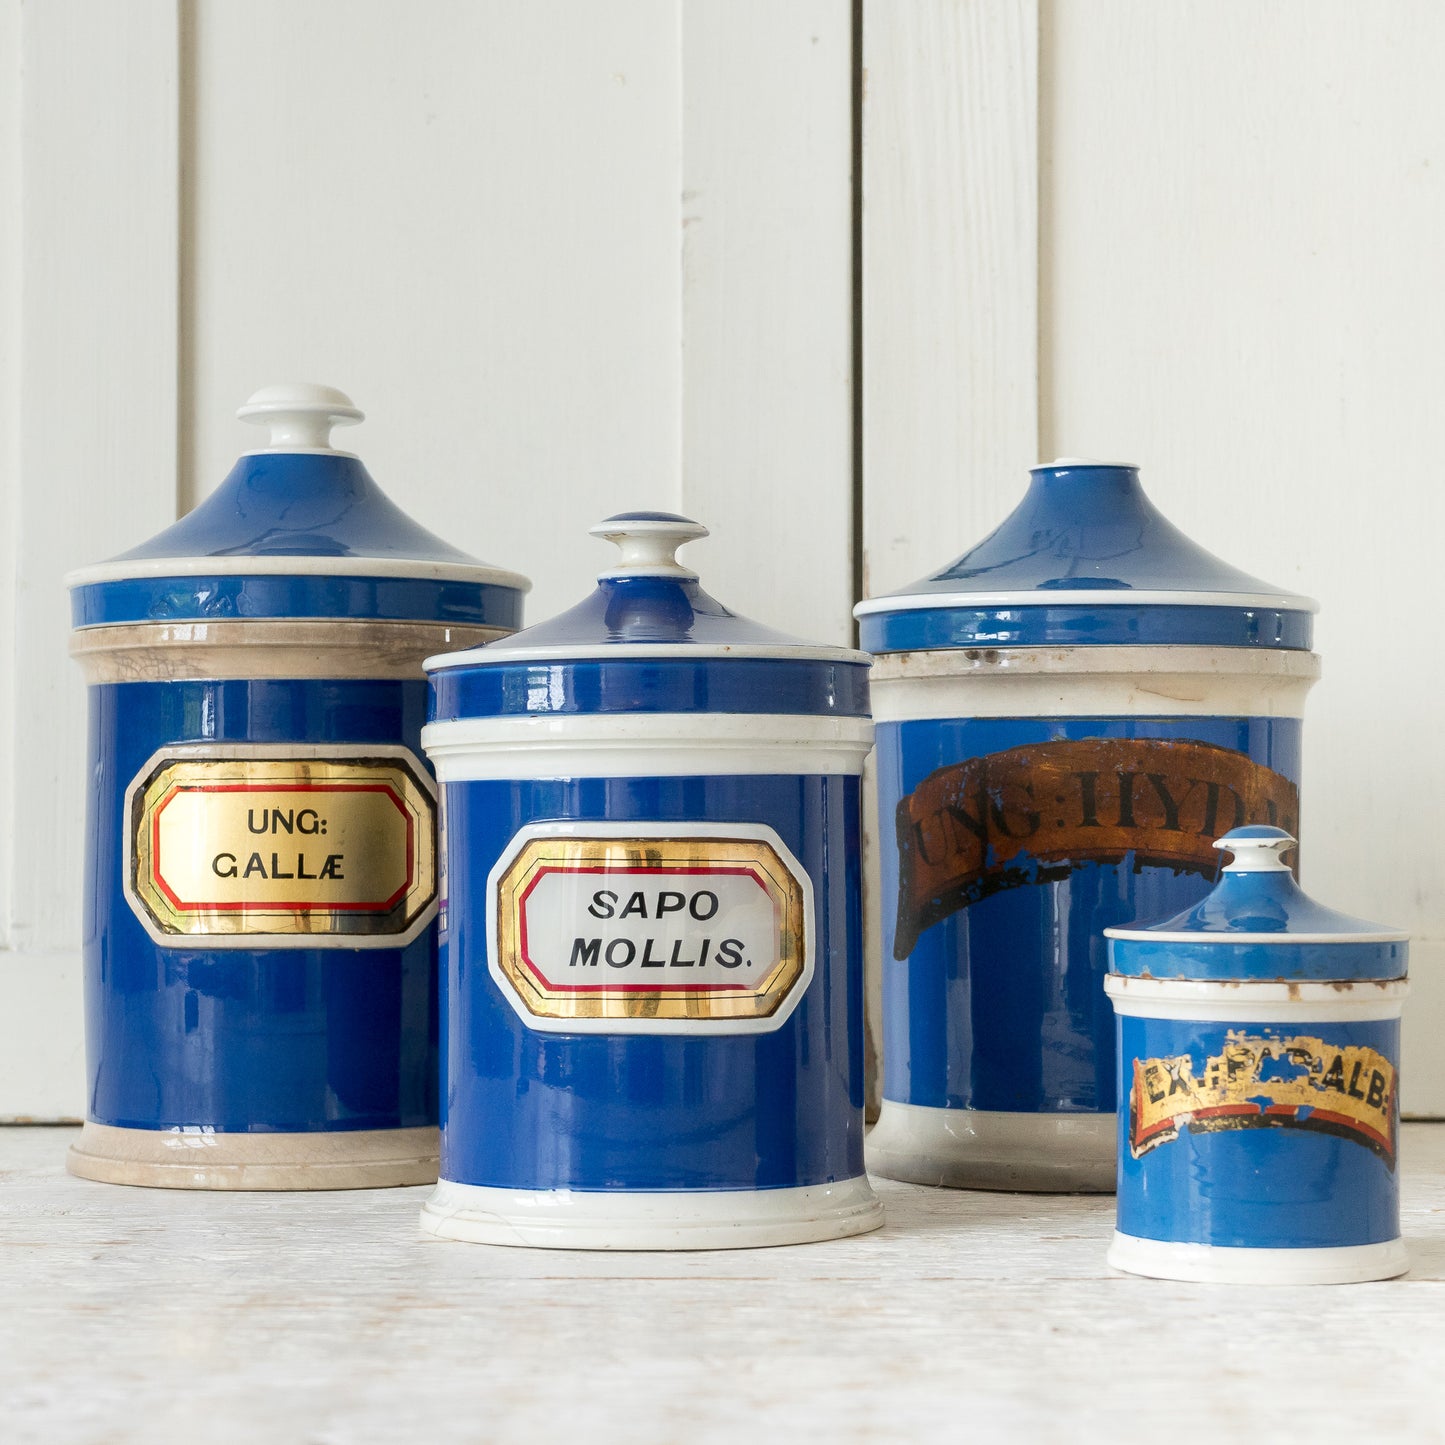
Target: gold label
<point>1253,1082</point>
<point>329,845</point>
<point>651,928</point>
<point>1036,812</point>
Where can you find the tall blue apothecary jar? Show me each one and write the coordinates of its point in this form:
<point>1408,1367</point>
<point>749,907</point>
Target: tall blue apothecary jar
<point>261,873</point>
<point>652,969</point>
<point>1068,715</point>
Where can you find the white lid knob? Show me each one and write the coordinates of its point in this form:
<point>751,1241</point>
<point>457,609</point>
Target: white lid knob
<point>300,415</point>
<point>1257,849</point>
<point>649,543</point>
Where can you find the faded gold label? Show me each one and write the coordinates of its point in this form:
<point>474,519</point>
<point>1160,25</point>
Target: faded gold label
<point>670,928</point>
<point>1034,813</point>
<point>1254,1082</point>
<point>236,846</point>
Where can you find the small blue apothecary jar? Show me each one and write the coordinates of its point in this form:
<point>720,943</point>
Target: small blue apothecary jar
<point>261,876</point>
<point>1068,715</point>
<point>1259,1058</point>
<point>652,973</point>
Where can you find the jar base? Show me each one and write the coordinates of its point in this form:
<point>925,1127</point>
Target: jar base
<point>195,1159</point>
<point>978,1149</point>
<point>677,1219</point>
<point>1222,1264</point>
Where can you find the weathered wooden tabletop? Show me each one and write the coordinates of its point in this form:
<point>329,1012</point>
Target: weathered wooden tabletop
<point>135,1315</point>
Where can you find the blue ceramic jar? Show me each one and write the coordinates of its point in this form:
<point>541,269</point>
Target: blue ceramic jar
<point>261,878</point>
<point>651,952</point>
<point>1259,1056</point>
<point>1068,715</point>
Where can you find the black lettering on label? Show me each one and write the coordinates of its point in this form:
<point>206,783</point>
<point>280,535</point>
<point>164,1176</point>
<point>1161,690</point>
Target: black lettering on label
<point>637,904</point>
<point>276,869</point>
<point>730,953</point>
<point>254,865</point>
<point>615,947</point>
<point>1376,1097</point>
<point>301,867</point>
<point>308,820</point>
<point>668,902</point>
<point>1352,1091</point>
<point>648,961</point>
<point>702,957</point>
<point>675,961</point>
<point>585,952</point>
<point>1152,1083</point>
<point>223,865</point>
<point>1089,799</point>
<point>603,902</point>
<point>1334,1076</point>
<point>697,902</point>
<point>331,868</point>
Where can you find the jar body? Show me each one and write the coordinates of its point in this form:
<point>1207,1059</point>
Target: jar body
<point>1258,1131</point>
<point>260,890</point>
<point>1028,799</point>
<point>671,1114</point>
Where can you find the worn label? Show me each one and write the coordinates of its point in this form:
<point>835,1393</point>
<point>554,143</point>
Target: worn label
<point>1257,1082</point>
<point>674,928</point>
<point>1034,813</point>
<point>335,846</point>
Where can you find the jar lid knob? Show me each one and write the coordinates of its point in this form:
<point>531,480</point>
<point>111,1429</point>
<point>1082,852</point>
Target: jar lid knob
<point>1256,849</point>
<point>300,415</point>
<point>649,543</point>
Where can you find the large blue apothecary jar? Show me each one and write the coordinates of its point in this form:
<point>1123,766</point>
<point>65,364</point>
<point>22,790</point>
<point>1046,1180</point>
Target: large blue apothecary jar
<point>1259,1098</point>
<point>1068,715</point>
<point>261,874</point>
<point>652,972</point>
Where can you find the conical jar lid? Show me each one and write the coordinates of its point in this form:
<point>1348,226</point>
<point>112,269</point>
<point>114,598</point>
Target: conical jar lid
<point>297,529</point>
<point>1086,559</point>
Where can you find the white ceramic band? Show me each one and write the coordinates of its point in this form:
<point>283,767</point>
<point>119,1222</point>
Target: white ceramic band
<point>974,1149</point>
<point>204,1159</point>
<point>265,649</point>
<point>1219,1264</point>
<point>645,745</point>
<point>1169,998</point>
<point>677,1219</point>
<point>1092,682</point>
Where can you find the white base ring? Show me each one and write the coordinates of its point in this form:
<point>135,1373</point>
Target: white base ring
<point>1221,1264</point>
<point>681,1219</point>
<point>973,1149</point>
<point>205,1159</point>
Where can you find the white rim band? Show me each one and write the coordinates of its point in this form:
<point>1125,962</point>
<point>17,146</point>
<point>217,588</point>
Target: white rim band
<point>1207,1001</point>
<point>645,745</point>
<point>1097,681</point>
<point>562,653</point>
<point>677,1219</point>
<point>1222,1264</point>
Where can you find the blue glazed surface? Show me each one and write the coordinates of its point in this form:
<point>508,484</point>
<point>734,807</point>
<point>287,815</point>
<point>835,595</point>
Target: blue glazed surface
<point>525,1109</point>
<point>292,505</point>
<point>213,599</point>
<point>233,1039</point>
<point>737,685</point>
<point>1259,901</point>
<point>922,629</point>
<point>1086,527</point>
<point>1000,1005</point>
<point>1262,1188</point>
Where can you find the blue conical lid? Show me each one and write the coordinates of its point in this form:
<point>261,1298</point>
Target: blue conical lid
<point>1086,559</point>
<point>1258,924</point>
<point>649,638</point>
<point>298,529</point>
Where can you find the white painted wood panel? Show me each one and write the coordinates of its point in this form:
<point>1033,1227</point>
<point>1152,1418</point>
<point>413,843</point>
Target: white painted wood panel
<point>767,307</point>
<point>1241,209</point>
<point>145,1316</point>
<point>93,455</point>
<point>950,291</point>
